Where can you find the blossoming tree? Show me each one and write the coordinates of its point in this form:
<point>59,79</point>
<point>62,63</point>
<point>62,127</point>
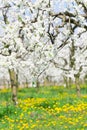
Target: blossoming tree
<point>36,31</point>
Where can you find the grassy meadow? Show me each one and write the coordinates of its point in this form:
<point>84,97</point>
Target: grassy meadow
<point>44,108</point>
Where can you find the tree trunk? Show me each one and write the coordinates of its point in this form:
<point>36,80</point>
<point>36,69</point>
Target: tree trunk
<point>4,84</point>
<point>14,85</point>
<point>78,87</point>
<point>37,84</point>
<point>77,76</point>
<point>26,84</point>
<point>70,82</point>
<point>66,82</point>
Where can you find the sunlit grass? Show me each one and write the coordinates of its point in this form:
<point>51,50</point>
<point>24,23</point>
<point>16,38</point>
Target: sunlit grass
<point>46,108</point>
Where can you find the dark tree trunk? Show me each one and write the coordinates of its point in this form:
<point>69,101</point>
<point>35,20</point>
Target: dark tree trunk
<point>14,85</point>
<point>37,84</point>
<point>70,83</point>
<point>78,88</point>
<point>77,83</point>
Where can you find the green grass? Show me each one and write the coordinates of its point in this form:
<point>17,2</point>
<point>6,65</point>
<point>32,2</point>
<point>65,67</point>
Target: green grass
<point>44,108</point>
